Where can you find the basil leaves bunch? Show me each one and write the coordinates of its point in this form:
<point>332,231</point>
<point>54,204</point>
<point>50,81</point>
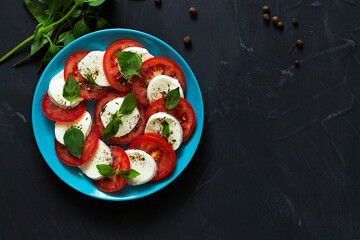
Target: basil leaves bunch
<point>59,22</point>
<point>109,172</point>
<point>126,108</point>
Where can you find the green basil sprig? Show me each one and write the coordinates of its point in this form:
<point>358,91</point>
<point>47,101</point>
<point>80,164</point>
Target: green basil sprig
<point>130,63</point>
<point>109,172</point>
<point>71,90</point>
<point>74,141</point>
<point>126,108</point>
<point>165,129</point>
<point>172,98</point>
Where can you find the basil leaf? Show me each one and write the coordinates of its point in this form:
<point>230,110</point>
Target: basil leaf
<point>172,98</point>
<point>66,38</point>
<point>54,5</point>
<point>94,3</point>
<point>74,141</point>
<point>111,129</point>
<point>106,170</point>
<point>43,2</point>
<point>129,62</point>
<point>165,129</point>
<point>51,52</point>
<point>76,13</point>
<point>80,28</point>
<point>90,79</point>
<point>37,12</point>
<point>38,43</point>
<point>101,23</point>
<point>71,90</point>
<point>128,105</point>
<point>129,174</point>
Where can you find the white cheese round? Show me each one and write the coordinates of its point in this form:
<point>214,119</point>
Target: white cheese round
<point>55,92</point>
<point>155,125</point>
<point>93,63</point>
<point>129,121</point>
<point>102,155</point>
<point>160,85</point>
<point>142,163</point>
<point>83,124</point>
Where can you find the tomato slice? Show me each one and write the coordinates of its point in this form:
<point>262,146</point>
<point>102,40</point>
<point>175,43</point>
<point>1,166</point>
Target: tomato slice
<point>152,68</point>
<point>160,150</point>
<point>116,182</point>
<point>90,145</point>
<point>183,112</point>
<point>88,91</point>
<point>55,113</point>
<point>128,138</point>
<point>111,67</point>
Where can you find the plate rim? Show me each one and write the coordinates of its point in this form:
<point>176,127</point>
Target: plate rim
<point>200,123</point>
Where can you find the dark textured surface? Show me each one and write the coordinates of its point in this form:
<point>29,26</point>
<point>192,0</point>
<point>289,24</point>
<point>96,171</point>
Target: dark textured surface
<point>279,156</point>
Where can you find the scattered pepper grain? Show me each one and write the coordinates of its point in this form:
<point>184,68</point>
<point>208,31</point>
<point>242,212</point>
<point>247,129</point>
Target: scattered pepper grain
<point>187,40</point>
<point>275,19</point>
<point>297,63</point>
<point>193,11</point>
<point>266,17</point>
<point>280,24</point>
<point>266,9</point>
<point>299,43</point>
<point>295,21</point>
<point>157,1</point>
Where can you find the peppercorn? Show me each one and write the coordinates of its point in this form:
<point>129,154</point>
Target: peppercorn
<point>266,17</point>
<point>157,1</point>
<point>294,21</point>
<point>266,9</point>
<point>275,19</point>
<point>297,63</point>
<point>187,40</point>
<point>280,24</point>
<point>299,43</point>
<point>192,11</point>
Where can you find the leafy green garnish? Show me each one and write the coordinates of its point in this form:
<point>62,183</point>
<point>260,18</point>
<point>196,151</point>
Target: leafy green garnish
<point>59,23</point>
<point>165,129</point>
<point>129,62</point>
<point>126,108</point>
<point>90,79</point>
<point>71,90</point>
<point>109,172</point>
<point>74,141</point>
<point>172,98</point>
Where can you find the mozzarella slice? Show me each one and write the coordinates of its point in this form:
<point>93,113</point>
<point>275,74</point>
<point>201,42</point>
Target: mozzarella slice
<point>55,92</point>
<point>155,125</point>
<point>142,52</point>
<point>93,63</point>
<point>142,163</point>
<point>83,124</point>
<point>129,121</point>
<point>160,85</point>
<point>102,155</point>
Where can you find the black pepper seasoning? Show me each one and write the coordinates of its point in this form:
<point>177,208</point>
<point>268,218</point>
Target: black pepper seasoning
<point>266,9</point>
<point>280,24</point>
<point>299,43</point>
<point>266,17</point>
<point>187,40</point>
<point>157,2</point>
<point>295,21</point>
<point>275,19</point>
<point>192,11</point>
<point>297,63</point>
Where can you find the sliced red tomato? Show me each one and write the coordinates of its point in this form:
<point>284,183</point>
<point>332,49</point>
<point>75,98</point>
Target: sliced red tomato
<point>128,138</point>
<point>115,183</point>
<point>90,145</point>
<point>152,68</point>
<point>183,112</point>
<point>55,113</point>
<point>111,66</point>
<point>88,91</point>
<point>160,150</point>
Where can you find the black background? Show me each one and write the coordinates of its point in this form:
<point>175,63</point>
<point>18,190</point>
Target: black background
<point>279,156</point>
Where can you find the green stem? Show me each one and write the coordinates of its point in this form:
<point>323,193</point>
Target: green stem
<point>41,30</point>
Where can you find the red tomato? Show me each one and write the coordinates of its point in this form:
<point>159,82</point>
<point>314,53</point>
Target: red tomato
<point>55,113</point>
<point>88,91</point>
<point>116,182</point>
<point>111,66</point>
<point>128,138</point>
<point>90,145</point>
<point>152,68</point>
<point>160,150</point>
<point>183,112</point>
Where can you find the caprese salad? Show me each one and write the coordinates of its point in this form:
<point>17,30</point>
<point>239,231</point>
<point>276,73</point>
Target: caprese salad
<point>140,102</point>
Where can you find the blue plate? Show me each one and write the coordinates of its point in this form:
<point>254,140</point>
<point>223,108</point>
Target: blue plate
<point>44,128</point>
